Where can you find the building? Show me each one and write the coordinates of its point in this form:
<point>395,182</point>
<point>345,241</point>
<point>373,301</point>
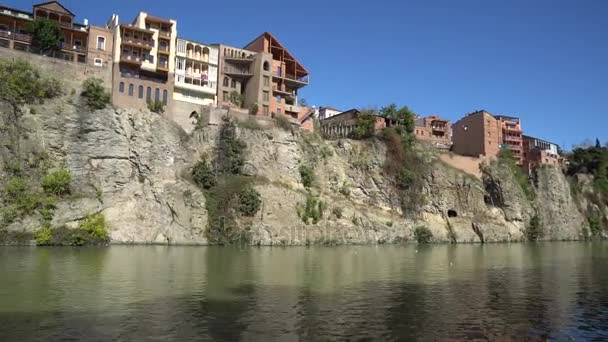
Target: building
<point>100,46</point>
<point>262,73</point>
<point>144,58</point>
<point>14,34</point>
<point>341,125</point>
<point>539,152</point>
<point>327,112</point>
<point>434,130</point>
<point>483,134</point>
<point>195,73</point>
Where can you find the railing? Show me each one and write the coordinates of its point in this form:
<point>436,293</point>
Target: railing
<point>164,34</point>
<point>69,47</point>
<point>5,34</point>
<point>197,76</point>
<point>164,65</point>
<point>52,54</point>
<point>303,79</point>
<point>22,37</point>
<point>239,71</point>
<point>292,108</point>
<point>132,59</point>
<point>137,42</point>
<point>163,49</point>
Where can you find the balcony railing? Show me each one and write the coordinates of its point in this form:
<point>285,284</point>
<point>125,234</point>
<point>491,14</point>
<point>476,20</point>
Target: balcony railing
<point>22,37</point>
<point>164,34</point>
<point>237,71</point>
<point>69,47</point>
<point>292,108</point>
<point>131,59</point>
<point>163,65</point>
<point>5,34</point>
<point>164,49</point>
<point>136,42</point>
<point>302,79</point>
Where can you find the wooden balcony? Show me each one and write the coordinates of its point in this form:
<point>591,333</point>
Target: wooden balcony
<point>164,34</point>
<point>26,38</point>
<point>163,66</point>
<point>130,41</point>
<point>131,59</point>
<point>163,49</point>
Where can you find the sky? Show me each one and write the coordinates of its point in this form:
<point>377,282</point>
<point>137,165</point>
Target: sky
<point>545,61</point>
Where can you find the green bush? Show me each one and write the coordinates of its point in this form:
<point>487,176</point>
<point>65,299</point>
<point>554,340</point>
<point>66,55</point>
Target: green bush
<point>94,93</point>
<point>44,235</point>
<point>156,106</point>
<point>534,230</point>
<point>313,209</point>
<point>8,215</point>
<point>364,125</point>
<point>249,201</point>
<point>57,182</point>
<point>203,174</point>
<point>18,193</point>
<point>46,34</point>
<point>230,158</point>
<point>307,175</point>
<point>94,225</point>
<point>236,98</point>
<point>423,234</point>
<point>20,83</point>
<point>253,110</point>
<point>507,159</point>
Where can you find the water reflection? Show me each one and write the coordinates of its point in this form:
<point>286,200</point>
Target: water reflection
<point>512,292</point>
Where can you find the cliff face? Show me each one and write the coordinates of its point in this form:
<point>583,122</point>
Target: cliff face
<point>134,166</point>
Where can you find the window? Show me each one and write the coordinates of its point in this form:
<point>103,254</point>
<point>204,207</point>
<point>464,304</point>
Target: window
<point>78,42</point>
<point>98,62</point>
<point>101,43</point>
<point>131,89</point>
<point>121,87</point>
<point>278,98</point>
<point>181,64</point>
<point>226,82</point>
<point>151,59</point>
<point>266,66</point>
<point>266,96</point>
<point>279,71</point>
<point>148,94</point>
<point>157,94</point>
<point>266,111</point>
<point>140,92</point>
<point>165,97</point>
<point>266,81</point>
<point>225,96</point>
<point>233,84</point>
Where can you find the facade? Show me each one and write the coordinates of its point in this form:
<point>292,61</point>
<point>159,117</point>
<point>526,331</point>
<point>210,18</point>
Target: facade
<point>341,125</point>
<point>14,35</point>
<point>241,77</point>
<point>100,46</point>
<point>434,130</point>
<point>144,58</point>
<point>539,152</point>
<point>196,70</point>
<point>483,134</point>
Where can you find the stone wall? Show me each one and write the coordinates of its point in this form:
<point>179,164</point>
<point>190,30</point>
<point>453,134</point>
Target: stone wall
<point>70,73</point>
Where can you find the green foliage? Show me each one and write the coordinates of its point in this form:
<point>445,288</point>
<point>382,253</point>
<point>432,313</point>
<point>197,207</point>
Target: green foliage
<point>423,234</point>
<point>594,161</point>
<point>507,159</point>
<point>230,159</point>
<point>249,201</point>
<point>46,34</point>
<point>403,117</point>
<point>236,98</point>
<point>94,227</point>
<point>534,231</point>
<point>313,210</point>
<point>253,109</point>
<point>94,93</point>
<point>18,193</point>
<point>57,182</point>
<point>156,106</point>
<point>364,125</point>
<point>389,223</point>
<point>307,175</point>
<point>20,84</point>
<point>203,174</point>
<point>44,235</point>
<point>8,215</point>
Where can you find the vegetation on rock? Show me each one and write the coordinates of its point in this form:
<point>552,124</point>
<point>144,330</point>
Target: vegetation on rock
<point>203,174</point>
<point>249,201</point>
<point>57,182</point>
<point>96,97</point>
<point>313,209</point>
<point>534,230</point>
<point>423,234</point>
<point>307,175</point>
<point>506,159</point>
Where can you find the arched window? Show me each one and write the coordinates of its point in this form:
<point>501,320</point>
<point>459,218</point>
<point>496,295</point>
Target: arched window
<point>131,89</point>
<point>226,82</point>
<point>140,92</point>
<point>165,97</point>
<point>148,94</point>
<point>233,84</point>
<point>121,87</point>
<point>157,94</point>
<point>266,66</point>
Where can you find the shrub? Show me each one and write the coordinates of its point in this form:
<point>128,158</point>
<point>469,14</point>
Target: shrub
<point>534,230</point>
<point>8,215</point>
<point>345,189</point>
<point>423,234</point>
<point>313,210</point>
<point>20,83</point>
<point>249,201</point>
<point>46,34</point>
<point>203,174</point>
<point>364,125</point>
<point>156,106</point>
<point>507,159</point>
<point>18,193</point>
<point>337,211</point>
<point>57,182</point>
<point>95,94</point>
<point>253,110</point>
<point>307,175</point>
<point>236,98</point>
<point>51,88</point>
<point>230,157</point>
<point>44,235</point>
<point>94,225</point>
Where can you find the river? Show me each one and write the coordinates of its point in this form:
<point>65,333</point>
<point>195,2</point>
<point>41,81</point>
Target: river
<point>556,291</point>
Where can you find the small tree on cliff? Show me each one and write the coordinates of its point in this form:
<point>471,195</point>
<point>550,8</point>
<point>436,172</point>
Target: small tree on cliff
<point>46,35</point>
<point>95,94</point>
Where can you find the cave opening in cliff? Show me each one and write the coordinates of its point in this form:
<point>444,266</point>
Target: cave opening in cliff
<point>452,213</point>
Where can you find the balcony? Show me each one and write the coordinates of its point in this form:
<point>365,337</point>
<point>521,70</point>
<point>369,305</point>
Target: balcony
<point>237,72</point>
<point>26,38</point>
<point>164,34</point>
<point>5,34</point>
<point>131,59</point>
<point>137,43</point>
<point>163,50</point>
<point>68,47</point>
<point>163,66</point>
<point>292,108</point>
<point>242,60</point>
<point>297,81</point>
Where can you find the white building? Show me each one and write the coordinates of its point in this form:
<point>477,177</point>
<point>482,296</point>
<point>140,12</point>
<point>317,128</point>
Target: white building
<point>328,112</point>
<point>195,73</point>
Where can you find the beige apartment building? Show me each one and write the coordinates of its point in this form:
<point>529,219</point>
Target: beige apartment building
<point>434,130</point>
<point>483,134</point>
<point>195,73</point>
<point>144,60</point>
<point>263,73</point>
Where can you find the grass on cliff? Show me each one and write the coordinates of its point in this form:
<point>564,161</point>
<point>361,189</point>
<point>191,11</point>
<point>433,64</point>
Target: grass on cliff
<point>507,159</point>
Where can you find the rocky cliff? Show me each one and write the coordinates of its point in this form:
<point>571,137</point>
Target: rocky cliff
<point>134,167</point>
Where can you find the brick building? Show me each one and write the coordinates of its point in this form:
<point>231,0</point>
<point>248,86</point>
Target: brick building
<point>483,134</point>
<point>539,152</point>
<point>341,125</point>
<point>434,130</point>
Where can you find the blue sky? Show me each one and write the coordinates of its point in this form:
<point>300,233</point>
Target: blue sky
<point>543,60</point>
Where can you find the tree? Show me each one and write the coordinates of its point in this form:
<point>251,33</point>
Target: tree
<point>364,125</point>
<point>46,35</point>
<point>203,174</point>
<point>95,94</point>
<point>389,111</point>
<point>597,143</point>
<point>253,110</point>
